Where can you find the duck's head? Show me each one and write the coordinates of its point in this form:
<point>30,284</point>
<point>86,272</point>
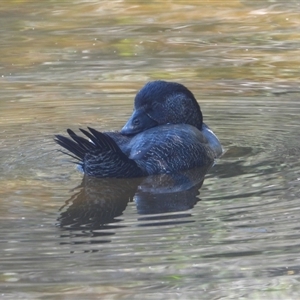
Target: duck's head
<point>160,102</point>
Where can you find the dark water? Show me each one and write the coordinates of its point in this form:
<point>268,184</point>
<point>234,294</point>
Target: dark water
<point>75,64</point>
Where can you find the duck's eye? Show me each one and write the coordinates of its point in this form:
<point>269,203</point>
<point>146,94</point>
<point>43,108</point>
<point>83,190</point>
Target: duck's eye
<point>136,122</point>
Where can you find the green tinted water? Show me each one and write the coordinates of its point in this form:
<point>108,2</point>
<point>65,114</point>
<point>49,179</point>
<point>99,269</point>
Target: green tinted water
<point>75,64</point>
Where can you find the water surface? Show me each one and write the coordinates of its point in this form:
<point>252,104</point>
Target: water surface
<point>70,64</point>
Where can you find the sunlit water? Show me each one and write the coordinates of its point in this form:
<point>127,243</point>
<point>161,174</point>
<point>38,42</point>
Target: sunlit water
<point>77,64</point>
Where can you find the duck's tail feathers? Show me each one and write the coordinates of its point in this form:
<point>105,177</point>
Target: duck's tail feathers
<point>78,146</point>
<point>100,156</point>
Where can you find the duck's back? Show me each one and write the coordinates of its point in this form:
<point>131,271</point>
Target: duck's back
<point>170,148</point>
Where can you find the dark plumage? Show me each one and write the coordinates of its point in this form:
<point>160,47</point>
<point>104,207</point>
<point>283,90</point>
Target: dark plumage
<point>165,134</point>
<point>160,102</point>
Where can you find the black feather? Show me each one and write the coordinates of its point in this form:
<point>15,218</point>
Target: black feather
<point>70,145</point>
<point>103,139</point>
<point>90,136</point>
<point>100,156</point>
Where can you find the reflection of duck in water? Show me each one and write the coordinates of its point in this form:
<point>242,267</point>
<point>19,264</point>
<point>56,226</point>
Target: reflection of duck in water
<point>99,201</point>
<point>165,134</point>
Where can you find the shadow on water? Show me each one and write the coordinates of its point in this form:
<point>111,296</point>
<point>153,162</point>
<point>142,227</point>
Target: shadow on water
<point>98,202</point>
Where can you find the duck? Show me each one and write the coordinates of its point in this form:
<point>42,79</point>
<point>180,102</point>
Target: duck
<point>165,134</point>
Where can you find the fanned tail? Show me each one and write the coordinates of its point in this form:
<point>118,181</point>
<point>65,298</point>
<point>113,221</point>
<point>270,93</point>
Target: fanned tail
<point>75,146</point>
<point>100,156</point>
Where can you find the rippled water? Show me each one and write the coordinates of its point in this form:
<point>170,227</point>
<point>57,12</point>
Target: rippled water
<point>75,64</point>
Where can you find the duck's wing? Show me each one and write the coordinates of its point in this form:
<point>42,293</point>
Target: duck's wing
<point>100,156</point>
<point>170,148</point>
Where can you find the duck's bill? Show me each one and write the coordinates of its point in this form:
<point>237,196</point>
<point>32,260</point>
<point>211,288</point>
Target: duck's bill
<point>138,122</point>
